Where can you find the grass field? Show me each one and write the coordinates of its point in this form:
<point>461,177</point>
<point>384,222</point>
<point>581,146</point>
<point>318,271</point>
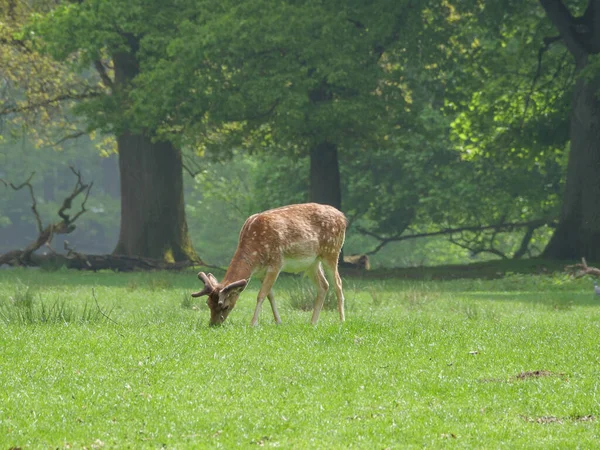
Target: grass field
<point>127,361</point>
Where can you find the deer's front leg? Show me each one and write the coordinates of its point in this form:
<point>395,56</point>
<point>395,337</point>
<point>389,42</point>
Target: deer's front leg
<point>265,290</point>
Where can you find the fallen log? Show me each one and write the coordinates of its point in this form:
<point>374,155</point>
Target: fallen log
<point>119,263</point>
<point>580,270</point>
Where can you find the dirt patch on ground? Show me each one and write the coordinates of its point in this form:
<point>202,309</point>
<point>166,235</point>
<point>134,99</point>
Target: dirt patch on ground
<point>536,374</point>
<point>524,376</point>
<point>560,420</point>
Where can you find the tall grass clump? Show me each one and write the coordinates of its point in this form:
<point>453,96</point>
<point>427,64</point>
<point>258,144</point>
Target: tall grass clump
<point>302,296</point>
<point>24,306</point>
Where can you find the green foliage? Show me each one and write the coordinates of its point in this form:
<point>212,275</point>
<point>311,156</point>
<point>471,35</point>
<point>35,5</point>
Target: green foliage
<point>465,363</point>
<point>441,114</point>
<point>311,70</point>
<point>514,97</point>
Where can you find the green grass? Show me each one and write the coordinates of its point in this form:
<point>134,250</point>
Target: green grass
<point>127,361</point>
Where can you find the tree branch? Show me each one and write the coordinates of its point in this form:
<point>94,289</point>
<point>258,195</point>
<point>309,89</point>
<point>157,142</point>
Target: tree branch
<point>502,227</point>
<point>191,166</point>
<point>108,82</point>
<point>31,194</point>
<point>480,249</point>
<point>564,22</point>
<point>78,189</point>
<point>75,135</point>
<point>525,241</point>
<point>49,102</point>
<point>547,42</point>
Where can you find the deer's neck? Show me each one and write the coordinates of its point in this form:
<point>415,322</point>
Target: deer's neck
<point>241,267</point>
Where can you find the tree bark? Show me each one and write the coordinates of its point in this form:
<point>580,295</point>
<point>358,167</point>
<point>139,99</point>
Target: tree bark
<point>325,175</point>
<point>153,223</point>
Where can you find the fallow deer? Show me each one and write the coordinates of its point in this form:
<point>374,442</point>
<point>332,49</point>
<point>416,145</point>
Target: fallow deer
<point>305,237</point>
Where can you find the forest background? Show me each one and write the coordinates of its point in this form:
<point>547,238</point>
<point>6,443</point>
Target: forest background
<point>446,131</point>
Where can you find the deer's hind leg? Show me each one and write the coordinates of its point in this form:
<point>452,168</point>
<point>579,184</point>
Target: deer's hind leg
<point>318,277</point>
<point>330,264</point>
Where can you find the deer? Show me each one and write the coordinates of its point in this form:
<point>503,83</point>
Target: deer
<point>306,237</point>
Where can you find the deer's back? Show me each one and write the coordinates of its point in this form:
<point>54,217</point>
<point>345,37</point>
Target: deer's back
<point>297,233</point>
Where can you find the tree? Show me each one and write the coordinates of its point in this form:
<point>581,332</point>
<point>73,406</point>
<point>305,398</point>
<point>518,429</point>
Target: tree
<point>506,97</point>
<point>308,77</point>
<point>119,40</point>
<point>578,231</point>
<point>541,106</point>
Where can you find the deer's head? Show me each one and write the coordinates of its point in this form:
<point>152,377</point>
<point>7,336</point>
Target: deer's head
<point>221,298</point>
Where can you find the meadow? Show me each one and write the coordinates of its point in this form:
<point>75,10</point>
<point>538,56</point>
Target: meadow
<point>106,360</point>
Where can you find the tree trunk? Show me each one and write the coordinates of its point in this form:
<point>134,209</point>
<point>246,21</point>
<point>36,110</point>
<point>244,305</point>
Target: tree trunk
<point>153,221</point>
<point>578,232</point>
<point>325,184</point>
<point>325,175</point>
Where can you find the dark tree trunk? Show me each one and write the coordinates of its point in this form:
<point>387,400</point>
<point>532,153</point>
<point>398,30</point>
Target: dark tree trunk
<point>325,175</point>
<point>325,184</point>
<point>578,232</point>
<point>153,221</point>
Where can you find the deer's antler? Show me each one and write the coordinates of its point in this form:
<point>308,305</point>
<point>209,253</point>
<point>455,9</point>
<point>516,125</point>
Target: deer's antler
<point>208,285</point>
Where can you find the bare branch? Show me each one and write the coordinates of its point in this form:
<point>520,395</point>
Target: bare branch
<point>49,102</point>
<point>580,270</point>
<point>108,82</point>
<point>477,248</point>
<point>525,241</point>
<point>31,194</point>
<point>78,189</point>
<point>87,194</point>
<point>75,135</point>
<point>190,165</point>
<point>502,227</point>
<point>547,42</point>
<point>45,235</point>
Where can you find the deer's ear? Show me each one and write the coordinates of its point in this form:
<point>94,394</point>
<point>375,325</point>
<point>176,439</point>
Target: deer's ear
<point>236,286</point>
